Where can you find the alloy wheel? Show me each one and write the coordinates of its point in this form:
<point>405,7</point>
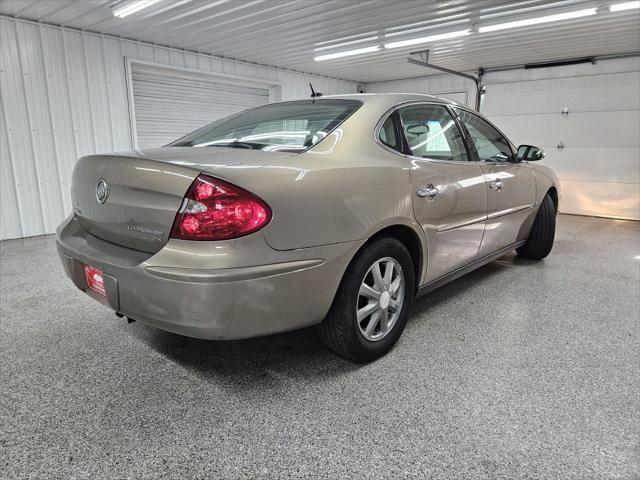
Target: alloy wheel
<point>380,299</point>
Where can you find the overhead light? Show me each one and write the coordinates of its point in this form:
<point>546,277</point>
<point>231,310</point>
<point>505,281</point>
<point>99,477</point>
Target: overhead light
<point>431,38</point>
<point>347,53</point>
<point>127,8</point>
<point>537,20</point>
<point>619,7</point>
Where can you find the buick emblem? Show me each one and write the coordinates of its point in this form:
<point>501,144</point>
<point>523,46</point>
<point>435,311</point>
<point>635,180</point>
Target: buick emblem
<point>102,190</point>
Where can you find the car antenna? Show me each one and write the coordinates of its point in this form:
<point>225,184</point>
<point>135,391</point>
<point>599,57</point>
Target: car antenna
<point>314,94</point>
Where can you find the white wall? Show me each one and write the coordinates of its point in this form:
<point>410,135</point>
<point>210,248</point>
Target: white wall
<point>451,87</point>
<point>63,95</point>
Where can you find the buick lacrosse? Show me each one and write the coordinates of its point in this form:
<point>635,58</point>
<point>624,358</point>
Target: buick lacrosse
<point>335,211</point>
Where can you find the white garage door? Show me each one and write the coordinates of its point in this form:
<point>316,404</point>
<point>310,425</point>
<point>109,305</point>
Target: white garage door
<point>171,103</point>
<point>594,148</point>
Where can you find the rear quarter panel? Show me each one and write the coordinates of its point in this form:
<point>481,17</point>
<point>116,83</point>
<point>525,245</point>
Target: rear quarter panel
<point>346,192</point>
<point>346,188</point>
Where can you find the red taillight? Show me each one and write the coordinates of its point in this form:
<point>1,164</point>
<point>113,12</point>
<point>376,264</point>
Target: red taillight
<point>216,210</point>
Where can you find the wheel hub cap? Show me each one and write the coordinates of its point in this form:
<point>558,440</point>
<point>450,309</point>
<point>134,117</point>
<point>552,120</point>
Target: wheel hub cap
<point>384,299</point>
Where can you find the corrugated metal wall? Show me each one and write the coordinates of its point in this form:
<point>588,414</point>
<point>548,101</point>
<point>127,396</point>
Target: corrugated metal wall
<point>63,95</point>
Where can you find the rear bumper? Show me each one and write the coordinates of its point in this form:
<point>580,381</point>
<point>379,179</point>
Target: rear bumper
<point>231,295</point>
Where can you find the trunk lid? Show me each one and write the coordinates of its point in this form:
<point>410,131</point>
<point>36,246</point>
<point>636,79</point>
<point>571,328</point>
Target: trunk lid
<point>132,198</point>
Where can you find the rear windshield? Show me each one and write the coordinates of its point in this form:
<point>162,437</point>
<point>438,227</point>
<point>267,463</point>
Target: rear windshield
<point>288,126</point>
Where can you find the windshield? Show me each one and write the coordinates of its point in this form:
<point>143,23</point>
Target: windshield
<point>288,126</point>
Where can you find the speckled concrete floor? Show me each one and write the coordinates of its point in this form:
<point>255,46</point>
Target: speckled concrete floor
<point>519,370</point>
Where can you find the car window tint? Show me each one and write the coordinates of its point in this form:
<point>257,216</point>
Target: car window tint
<point>289,126</point>
<point>432,133</point>
<point>490,144</point>
<point>387,134</point>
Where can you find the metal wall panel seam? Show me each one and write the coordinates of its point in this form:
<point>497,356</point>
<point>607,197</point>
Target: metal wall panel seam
<point>90,103</point>
<point>53,127</point>
<point>66,77</point>
<point>31,139</point>
<point>107,82</point>
<point>12,167</point>
<point>130,103</point>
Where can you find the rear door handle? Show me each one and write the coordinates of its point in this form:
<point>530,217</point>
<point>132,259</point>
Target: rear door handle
<point>429,191</point>
<point>496,185</point>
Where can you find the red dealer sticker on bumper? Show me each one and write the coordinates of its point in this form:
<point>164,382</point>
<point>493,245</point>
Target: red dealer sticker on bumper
<point>95,280</point>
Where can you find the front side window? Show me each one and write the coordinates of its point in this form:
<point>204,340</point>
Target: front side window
<point>288,126</point>
<point>490,144</point>
<point>432,133</point>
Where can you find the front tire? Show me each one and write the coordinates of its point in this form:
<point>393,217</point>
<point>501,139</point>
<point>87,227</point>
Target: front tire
<point>540,241</point>
<point>371,307</point>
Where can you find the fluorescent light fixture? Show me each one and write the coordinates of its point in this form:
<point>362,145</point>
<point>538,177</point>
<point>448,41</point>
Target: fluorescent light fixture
<point>127,8</point>
<point>347,53</point>
<point>431,38</point>
<point>537,20</point>
<point>619,7</point>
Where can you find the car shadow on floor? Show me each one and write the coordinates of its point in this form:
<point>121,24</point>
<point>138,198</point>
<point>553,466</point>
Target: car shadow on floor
<point>255,363</point>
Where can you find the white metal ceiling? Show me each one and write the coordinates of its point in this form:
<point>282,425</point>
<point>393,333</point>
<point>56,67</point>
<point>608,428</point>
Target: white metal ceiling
<point>284,33</point>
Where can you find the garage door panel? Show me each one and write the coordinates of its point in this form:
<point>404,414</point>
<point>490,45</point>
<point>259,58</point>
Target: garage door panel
<point>585,164</point>
<point>599,166</point>
<point>599,129</point>
<point>603,199</point>
<point>169,104</point>
<point>587,129</point>
<point>579,94</point>
<point>534,129</point>
<point>195,90</point>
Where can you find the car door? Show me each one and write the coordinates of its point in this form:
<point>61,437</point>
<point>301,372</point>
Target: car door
<point>510,186</point>
<point>450,200</point>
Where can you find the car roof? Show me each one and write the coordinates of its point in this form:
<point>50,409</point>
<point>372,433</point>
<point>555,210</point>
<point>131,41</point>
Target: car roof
<point>391,98</point>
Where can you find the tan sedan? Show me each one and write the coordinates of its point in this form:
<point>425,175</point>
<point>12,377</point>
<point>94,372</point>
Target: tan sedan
<point>335,211</point>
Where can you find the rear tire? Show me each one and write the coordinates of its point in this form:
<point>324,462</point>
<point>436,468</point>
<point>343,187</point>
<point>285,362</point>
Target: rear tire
<point>540,241</point>
<point>357,327</point>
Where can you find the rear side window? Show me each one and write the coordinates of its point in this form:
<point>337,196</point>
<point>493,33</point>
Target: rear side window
<point>432,133</point>
<point>387,134</point>
<point>288,126</point>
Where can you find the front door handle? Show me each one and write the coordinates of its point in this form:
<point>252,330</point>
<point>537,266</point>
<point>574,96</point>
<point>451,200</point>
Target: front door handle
<point>429,191</point>
<point>496,185</point>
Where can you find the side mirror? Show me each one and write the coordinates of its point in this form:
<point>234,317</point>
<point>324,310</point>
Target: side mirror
<point>529,153</point>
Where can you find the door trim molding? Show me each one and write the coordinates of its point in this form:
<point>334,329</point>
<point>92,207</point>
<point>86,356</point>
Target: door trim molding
<point>508,211</point>
<point>466,223</point>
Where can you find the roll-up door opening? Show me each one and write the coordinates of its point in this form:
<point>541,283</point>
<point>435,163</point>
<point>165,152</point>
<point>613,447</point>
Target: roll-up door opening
<point>171,103</point>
